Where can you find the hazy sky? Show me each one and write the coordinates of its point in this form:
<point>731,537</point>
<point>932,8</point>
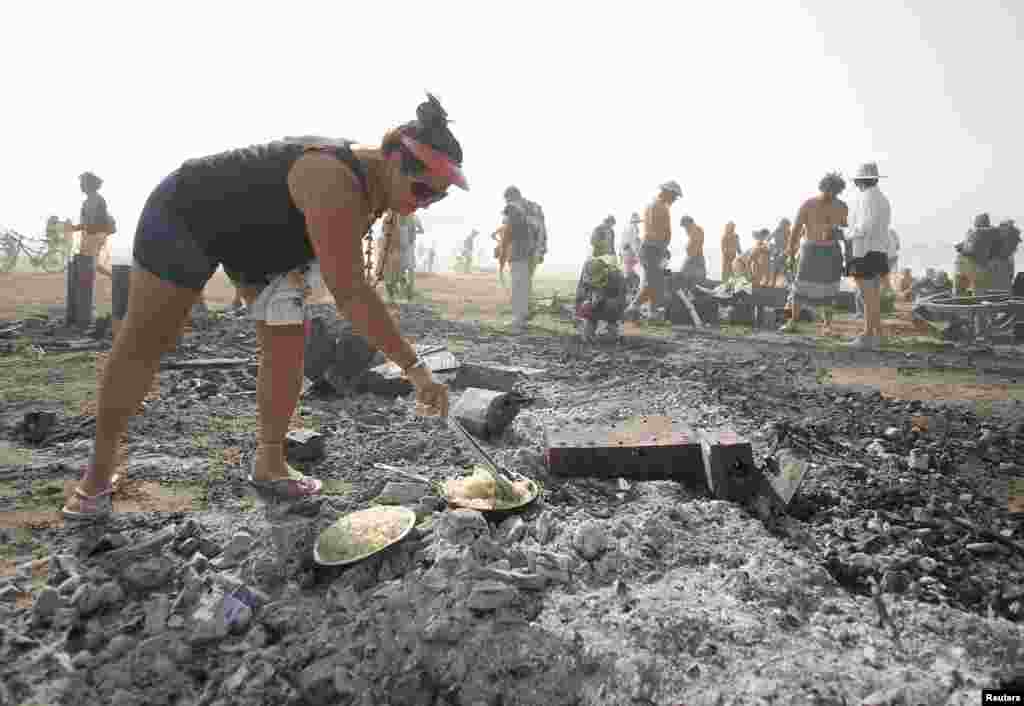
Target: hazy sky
<point>586,107</point>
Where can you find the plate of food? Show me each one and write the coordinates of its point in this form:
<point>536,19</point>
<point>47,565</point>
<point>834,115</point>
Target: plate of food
<point>480,491</point>
<point>361,534</point>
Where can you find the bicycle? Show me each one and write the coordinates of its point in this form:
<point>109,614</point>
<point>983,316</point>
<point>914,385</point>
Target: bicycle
<point>51,254</point>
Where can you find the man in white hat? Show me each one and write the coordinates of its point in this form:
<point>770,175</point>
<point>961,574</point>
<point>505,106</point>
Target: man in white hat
<point>654,248</point>
<point>869,236</point>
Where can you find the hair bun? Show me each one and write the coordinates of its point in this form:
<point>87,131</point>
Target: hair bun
<point>430,114</point>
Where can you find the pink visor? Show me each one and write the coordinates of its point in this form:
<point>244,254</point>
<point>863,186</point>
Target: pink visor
<point>437,163</point>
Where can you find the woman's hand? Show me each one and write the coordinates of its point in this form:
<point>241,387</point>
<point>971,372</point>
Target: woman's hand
<point>431,396</point>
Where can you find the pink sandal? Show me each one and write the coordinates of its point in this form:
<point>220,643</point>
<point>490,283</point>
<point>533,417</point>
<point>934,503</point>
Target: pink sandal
<point>91,507</point>
<point>294,487</point>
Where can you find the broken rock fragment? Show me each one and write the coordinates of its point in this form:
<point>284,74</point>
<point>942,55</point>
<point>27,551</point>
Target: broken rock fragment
<point>485,413</point>
<point>590,540</point>
<point>305,445</point>
<point>462,527</point>
<point>490,595</point>
<point>402,493</point>
<point>148,574</point>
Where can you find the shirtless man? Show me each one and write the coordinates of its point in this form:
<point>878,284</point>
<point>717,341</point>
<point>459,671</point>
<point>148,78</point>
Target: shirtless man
<point>821,262</point>
<point>730,249</point>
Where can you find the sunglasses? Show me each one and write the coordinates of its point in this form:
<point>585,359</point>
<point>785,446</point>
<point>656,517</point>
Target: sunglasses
<point>425,194</point>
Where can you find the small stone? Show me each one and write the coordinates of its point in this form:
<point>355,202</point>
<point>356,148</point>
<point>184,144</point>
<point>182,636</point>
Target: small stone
<point>47,603</point>
<point>239,546</point>
<point>490,595</point>
<point>122,697</point>
<point>984,548</point>
<point>553,567</point>
<point>176,622</point>
<point>305,445</point>
<point>188,528</point>
<point>69,585</point>
<point>876,448</point>
<point>86,599</point>
<point>513,529</point>
<point>927,564</point>
<point>198,562</point>
<point>157,612</point>
<point>147,574</point>
<point>463,527</point>
<point>316,681</point>
<point>966,497</point>
<point>589,540</point>
<point>110,593</point>
<point>892,433</point>
<point>209,619</point>
<point>9,594</point>
<point>83,660</point>
<point>402,493</point>
<point>208,547</point>
<point>120,646</point>
<point>544,528</point>
<point>188,546</point>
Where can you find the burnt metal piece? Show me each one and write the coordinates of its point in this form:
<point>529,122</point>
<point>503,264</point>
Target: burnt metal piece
<point>644,448</point>
<point>731,472</point>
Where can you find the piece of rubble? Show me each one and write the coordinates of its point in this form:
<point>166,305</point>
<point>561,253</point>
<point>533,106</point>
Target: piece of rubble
<point>485,413</point>
<point>490,595</point>
<point>149,574</point>
<point>462,527</point>
<point>209,619</point>
<point>69,585</point>
<point>86,600</point>
<point>521,580</point>
<point>513,530</point>
<point>125,555</point>
<point>235,550</point>
<point>544,528</point>
<point>46,604</point>
<point>402,493</point>
<point>305,445</point>
<point>192,589</point>
<point>589,540</point>
<point>198,562</point>
<point>158,610</point>
<point>9,594</point>
<point>36,426</point>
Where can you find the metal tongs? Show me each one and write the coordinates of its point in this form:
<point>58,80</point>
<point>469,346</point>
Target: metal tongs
<point>482,456</point>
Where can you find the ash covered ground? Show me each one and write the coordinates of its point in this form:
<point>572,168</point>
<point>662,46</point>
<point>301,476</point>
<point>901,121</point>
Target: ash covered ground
<point>888,584</point>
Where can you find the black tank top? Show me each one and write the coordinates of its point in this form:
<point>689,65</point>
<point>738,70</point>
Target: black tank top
<point>239,210</point>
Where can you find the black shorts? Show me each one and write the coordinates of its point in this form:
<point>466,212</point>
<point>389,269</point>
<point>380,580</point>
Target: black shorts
<point>873,264</point>
<point>164,245</point>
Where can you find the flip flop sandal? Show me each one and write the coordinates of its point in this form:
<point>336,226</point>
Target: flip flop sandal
<point>295,487</point>
<point>91,508</point>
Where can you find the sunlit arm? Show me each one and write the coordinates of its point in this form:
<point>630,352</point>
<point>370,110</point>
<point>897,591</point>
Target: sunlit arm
<point>329,197</point>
